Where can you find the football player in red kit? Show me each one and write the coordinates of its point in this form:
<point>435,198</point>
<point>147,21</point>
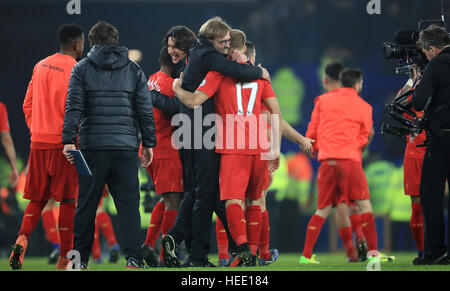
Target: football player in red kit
<point>412,169</point>
<point>331,83</point>
<point>166,169</point>
<point>341,125</point>
<point>50,175</point>
<point>266,256</point>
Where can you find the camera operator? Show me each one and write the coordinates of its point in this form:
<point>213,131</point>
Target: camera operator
<point>433,96</point>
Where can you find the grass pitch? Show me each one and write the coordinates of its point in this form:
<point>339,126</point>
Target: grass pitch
<point>286,262</point>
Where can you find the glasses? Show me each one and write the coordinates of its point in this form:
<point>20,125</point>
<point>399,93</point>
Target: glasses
<point>224,42</point>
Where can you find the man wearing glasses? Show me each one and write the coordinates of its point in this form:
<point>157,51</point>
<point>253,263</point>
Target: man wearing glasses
<point>201,164</point>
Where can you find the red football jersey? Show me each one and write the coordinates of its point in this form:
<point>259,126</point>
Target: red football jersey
<point>4,123</point>
<point>45,101</point>
<point>163,129</point>
<point>242,129</point>
<point>340,124</point>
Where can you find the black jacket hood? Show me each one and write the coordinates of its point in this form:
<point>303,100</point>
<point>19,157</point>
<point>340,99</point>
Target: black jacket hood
<point>110,57</point>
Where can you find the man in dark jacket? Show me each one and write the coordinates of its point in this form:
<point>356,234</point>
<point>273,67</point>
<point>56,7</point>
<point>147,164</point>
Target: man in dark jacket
<point>109,101</point>
<point>201,162</point>
<point>433,95</point>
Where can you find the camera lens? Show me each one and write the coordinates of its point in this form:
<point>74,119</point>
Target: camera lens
<point>388,49</point>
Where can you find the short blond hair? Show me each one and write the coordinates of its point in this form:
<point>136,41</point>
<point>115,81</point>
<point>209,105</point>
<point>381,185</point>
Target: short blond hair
<point>214,28</point>
<point>238,39</point>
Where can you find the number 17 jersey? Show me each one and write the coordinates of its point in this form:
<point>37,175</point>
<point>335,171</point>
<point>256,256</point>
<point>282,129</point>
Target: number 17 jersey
<point>241,127</point>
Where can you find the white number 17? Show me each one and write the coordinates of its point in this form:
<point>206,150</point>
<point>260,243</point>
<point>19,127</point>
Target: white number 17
<point>251,102</point>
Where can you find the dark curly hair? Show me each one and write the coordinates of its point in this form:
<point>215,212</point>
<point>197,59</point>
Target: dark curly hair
<point>184,38</point>
<point>68,33</point>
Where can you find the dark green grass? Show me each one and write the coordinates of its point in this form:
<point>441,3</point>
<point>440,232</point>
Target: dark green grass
<point>286,262</point>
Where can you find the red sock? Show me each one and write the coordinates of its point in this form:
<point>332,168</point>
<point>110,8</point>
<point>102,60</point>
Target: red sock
<point>222,240</point>
<point>264,237</point>
<point>346,236</point>
<point>356,227</point>
<point>56,213</point>
<point>155,224</point>
<point>51,230</point>
<point>370,230</point>
<point>169,219</point>
<point>416,224</point>
<point>106,227</point>
<point>253,227</point>
<point>236,223</point>
<point>96,253</point>
<point>312,233</point>
<point>65,226</point>
<point>31,217</point>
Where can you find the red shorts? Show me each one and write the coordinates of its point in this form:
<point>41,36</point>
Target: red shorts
<point>351,203</point>
<point>412,169</point>
<point>50,175</point>
<point>341,181</point>
<point>167,175</point>
<point>241,176</point>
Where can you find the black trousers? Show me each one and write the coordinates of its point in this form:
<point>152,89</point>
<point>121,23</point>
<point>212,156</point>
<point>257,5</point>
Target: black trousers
<point>119,170</point>
<point>202,198</point>
<point>435,172</point>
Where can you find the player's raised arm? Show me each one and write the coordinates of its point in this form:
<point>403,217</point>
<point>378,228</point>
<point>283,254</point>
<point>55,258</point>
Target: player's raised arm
<point>241,72</point>
<point>274,108</point>
<point>294,136</point>
<point>291,134</point>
